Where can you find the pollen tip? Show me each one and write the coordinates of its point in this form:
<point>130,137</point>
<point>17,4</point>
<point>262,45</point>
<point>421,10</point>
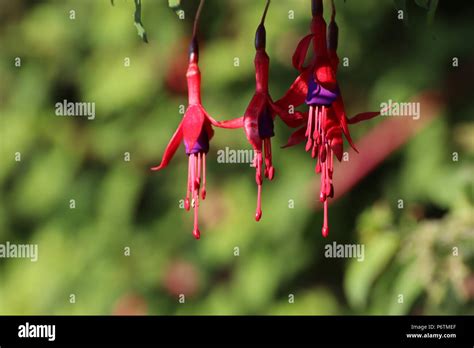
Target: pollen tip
<point>271,173</point>
<point>258,215</point>
<point>187,205</point>
<point>203,194</point>
<point>322,197</point>
<point>196,233</point>
<point>317,169</point>
<point>325,231</point>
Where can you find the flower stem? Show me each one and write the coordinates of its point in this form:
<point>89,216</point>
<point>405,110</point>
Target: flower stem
<point>196,19</point>
<point>265,12</point>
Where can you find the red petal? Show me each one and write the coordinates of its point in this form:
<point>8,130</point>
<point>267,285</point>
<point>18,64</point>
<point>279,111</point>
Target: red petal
<point>231,124</point>
<point>209,130</point>
<point>363,116</point>
<point>338,107</point>
<point>254,109</point>
<point>324,73</point>
<point>296,94</point>
<point>336,146</point>
<point>293,120</point>
<point>192,124</point>
<point>301,51</point>
<point>208,122</point>
<point>334,60</point>
<point>296,137</point>
<point>171,147</point>
<point>210,118</point>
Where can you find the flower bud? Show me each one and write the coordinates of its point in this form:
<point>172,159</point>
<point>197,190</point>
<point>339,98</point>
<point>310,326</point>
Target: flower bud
<point>260,37</point>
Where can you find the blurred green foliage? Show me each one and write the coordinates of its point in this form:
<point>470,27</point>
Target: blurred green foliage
<point>424,251</point>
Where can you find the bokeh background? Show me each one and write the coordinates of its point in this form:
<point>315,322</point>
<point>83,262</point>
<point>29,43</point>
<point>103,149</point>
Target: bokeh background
<point>424,251</point>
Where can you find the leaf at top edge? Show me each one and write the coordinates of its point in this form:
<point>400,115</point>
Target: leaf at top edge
<point>138,21</point>
<point>432,11</point>
<point>423,3</point>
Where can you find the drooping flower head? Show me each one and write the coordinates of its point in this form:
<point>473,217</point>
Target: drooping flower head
<point>258,120</point>
<point>195,130</point>
<point>318,88</point>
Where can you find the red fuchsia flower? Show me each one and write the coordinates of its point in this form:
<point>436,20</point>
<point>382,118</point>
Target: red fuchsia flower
<point>258,118</point>
<point>195,130</point>
<point>318,88</point>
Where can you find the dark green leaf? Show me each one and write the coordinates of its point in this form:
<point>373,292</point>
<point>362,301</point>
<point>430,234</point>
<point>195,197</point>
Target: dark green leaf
<point>175,5</point>
<point>423,3</point>
<point>432,10</point>
<point>138,20</point>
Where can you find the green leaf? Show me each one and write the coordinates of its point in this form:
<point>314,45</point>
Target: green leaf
<point>432,10</point>
<point>409,285</point>
<point>361,275</point>
<point>423,3</point>
<point>138,21</point>
<point>175,5</point>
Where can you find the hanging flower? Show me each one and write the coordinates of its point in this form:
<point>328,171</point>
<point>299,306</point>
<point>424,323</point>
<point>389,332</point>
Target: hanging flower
<point>258,118</point>
<point>195,130</point>
<point>317,87</point>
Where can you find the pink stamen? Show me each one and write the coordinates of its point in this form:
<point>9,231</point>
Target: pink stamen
<point>314,151</point>
<point>268,159</point>
<point>317,169</point>
<point>196,232</point>
<point>325,230</point>
<point>317,120</point>
<point>331,155</point>
<point>258,179</point>
<point>198,178</point>
<point>187,204</point>
<point>195,196</point>
<point>322,194</point>
<point>322,153</point>
<point>203,190</point>
<point>309,128</point>
<point>327,187</point>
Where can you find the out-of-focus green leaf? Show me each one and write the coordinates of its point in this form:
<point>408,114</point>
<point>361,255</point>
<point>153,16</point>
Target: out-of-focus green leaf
<point>407,287</point>
<point>361,275</point>
<point>432,11</point>
<point>423,3</point>
<point>174,4</point>
<point>138,21</point>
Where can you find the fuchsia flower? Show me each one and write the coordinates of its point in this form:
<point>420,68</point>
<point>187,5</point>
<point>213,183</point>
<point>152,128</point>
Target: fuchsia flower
<point>258,118</point>
<point>318,88</point>
<point>195,130</point>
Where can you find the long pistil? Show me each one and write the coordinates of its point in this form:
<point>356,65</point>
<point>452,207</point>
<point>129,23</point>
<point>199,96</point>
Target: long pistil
<point>258,179</point>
